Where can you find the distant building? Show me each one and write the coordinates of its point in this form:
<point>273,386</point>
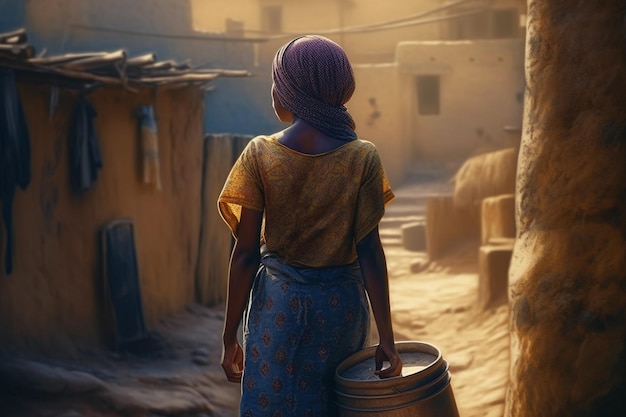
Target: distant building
<point>368,30</point>
<point>435,79</point>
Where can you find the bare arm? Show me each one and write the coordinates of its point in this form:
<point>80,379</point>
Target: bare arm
<point>374,269</point>
<point>244,263</point>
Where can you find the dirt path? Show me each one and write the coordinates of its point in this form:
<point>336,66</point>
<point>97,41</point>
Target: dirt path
<point>181,376</point>
<point>437,306</point>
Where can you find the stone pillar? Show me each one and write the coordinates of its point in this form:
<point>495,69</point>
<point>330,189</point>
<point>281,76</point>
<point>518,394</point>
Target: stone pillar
<point>568,272</point>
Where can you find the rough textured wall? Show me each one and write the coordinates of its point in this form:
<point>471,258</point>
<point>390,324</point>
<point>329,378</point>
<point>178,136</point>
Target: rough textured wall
<point>53,298</point>
<point>568,274</point>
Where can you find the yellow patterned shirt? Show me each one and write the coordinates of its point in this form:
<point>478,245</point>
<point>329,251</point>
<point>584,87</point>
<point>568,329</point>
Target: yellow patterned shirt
<point>316,207</point>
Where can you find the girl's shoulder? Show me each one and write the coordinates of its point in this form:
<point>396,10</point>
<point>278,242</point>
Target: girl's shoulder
<point>258,145</point>
<point>365,148</point>
<point>365,144</point>
<point>262,141</point>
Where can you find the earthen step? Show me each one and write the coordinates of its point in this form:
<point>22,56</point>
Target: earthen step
<point>391,241</point>
<point>391,236</point>
<point>391,222</point>
<point>405,210</point>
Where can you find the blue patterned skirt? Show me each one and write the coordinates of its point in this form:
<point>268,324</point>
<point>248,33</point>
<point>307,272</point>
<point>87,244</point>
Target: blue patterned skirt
<point>300,324</point>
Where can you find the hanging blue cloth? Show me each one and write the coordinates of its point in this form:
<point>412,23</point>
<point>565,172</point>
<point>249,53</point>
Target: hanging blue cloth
<point>14,156</point>
<point>84,154</point>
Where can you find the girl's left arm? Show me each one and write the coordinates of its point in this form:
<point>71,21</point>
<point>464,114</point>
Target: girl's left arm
<point>244,263</point>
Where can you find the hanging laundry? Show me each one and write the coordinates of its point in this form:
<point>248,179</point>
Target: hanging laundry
<point>84,154</point>
<point>149,146</point>
<point>14,156</point>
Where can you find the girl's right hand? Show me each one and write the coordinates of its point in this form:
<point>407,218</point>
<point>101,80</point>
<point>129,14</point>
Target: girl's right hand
<point>390,354</point>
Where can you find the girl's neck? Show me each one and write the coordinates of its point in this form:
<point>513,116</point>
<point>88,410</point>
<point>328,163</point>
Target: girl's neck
<point>304,138</point>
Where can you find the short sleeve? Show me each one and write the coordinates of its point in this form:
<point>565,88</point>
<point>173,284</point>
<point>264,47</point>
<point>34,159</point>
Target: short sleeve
<point>375,193</point>
<point>242,188</point>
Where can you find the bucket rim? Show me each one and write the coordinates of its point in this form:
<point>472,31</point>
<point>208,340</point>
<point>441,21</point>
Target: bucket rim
<point>438,384</point>
<point>402,347</point>
<point>448,386</point>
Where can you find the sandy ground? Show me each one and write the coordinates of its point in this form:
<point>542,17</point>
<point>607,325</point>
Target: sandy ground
<point>438,306</point>
<point>178,374</point>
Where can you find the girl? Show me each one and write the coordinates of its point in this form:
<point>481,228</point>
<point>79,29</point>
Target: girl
<point>304,206</point>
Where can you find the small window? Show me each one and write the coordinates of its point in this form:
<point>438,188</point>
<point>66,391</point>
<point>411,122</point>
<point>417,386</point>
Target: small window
<point>273,19</point>
<point>428,95</point>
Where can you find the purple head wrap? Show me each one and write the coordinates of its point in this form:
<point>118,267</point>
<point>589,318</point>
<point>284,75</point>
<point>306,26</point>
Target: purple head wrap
<point>313,80</point>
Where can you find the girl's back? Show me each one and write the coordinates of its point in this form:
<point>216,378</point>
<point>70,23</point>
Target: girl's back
<point>315,205</point>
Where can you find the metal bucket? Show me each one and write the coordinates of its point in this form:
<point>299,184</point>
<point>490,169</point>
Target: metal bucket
<point>423,390</point>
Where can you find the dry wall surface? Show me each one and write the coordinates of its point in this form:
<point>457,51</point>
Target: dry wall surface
<point>480,92</point>
<point>54,297</point>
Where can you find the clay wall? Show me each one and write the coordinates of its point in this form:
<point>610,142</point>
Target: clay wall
<point>481,87</point>
<point>481,91</point>
<point>54,297</point>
